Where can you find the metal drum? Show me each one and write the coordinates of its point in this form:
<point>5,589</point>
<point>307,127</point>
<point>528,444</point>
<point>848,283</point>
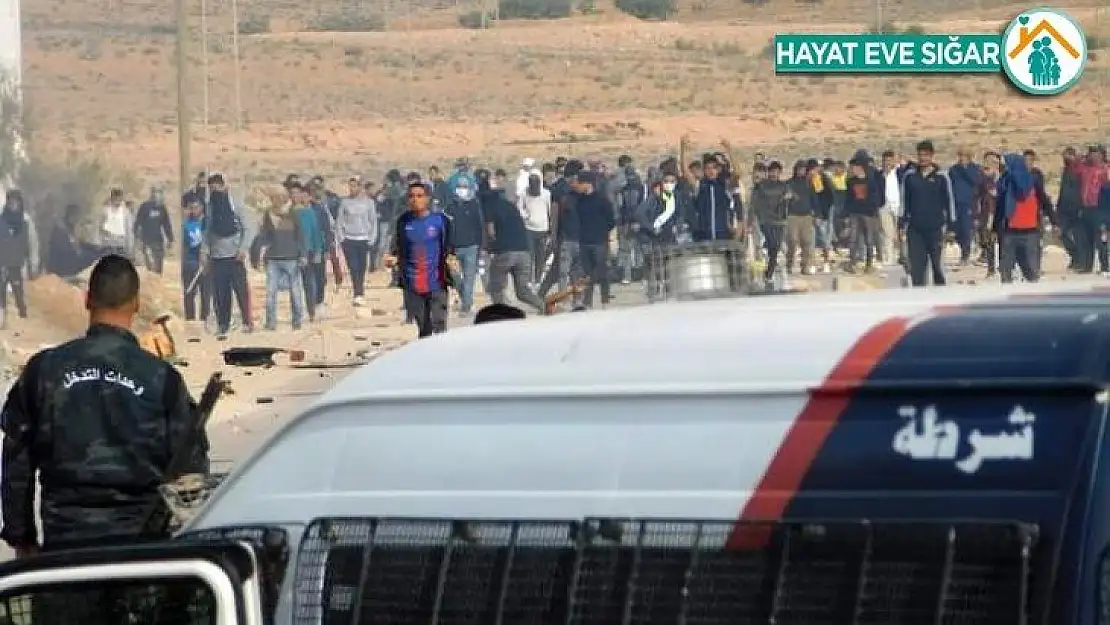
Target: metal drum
<point>698,275</point>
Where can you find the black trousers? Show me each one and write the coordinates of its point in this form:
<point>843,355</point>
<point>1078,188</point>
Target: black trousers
<point>154,256</point>
<point>773,237</point>
<point>1023,249</point>
<point>12,277</point>
<point>357,254</point>
<point>429,310</point>
<point>229,279</point>
<point>595,265</point>
<point>924,249</point>
<point>202,290</point>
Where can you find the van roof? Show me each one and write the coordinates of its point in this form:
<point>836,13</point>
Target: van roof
<point>448,425</point>
<point>765,343</point>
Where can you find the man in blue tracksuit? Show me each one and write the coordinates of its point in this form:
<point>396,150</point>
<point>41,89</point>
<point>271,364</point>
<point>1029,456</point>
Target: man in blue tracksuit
<point>927,209</point>
<point>966,177</point>
<point>714,210</point>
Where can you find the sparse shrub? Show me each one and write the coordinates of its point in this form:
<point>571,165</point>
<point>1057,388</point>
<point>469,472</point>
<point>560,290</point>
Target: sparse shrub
<point>1094,42</point>
<point>534,9</point>
<point>476,20</point>
<point>254,24</point>
<point>648,9</point>
<point>886,28</point>
<point>914,29</point>
<point>587,7</point>
<point>348,23</point>
<point>685,45</point>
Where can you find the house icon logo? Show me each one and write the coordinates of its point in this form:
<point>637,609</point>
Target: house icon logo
<point>1045,51</point>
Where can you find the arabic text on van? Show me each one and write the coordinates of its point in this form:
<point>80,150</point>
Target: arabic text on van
<point>928,437</point>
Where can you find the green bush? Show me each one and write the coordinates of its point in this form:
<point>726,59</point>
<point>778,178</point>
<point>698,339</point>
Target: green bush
<point>648,9</point>
<point>476,20</point>
<point>534,9</point>
<point>1094,42</point>
<point>348,23</point>
<point>254,24</point>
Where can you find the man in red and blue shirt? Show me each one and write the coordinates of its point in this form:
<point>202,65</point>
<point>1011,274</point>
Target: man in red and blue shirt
<point>421,246</point>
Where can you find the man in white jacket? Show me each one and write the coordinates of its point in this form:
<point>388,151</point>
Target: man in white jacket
<point>890,211</point>
<point>521,184</point>
<point>117,226</point>
<point>535,207</point>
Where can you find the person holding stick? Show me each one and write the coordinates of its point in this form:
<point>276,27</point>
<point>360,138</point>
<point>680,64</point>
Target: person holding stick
<point>194,278</point>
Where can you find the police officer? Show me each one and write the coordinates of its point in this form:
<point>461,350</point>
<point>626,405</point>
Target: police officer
<point>100,418</point>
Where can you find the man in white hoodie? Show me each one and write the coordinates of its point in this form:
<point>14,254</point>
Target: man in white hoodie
<point>117,226</point>
<point>535,207</point>
<point>521,184</point>
<point>890,211</point>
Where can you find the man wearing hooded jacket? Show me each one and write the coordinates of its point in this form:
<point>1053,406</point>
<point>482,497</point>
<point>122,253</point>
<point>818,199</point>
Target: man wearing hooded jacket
<point>19,251</point>
<point>1020,211</point>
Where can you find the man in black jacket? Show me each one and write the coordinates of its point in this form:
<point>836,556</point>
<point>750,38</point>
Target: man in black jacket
<point>153,230</point>
<point>99,418</point>
<point>1068,205</point>
<point>19,254</point>
<point>927,210</point>
<point>511,252</point>
<point>714,209</point>
<point>566,266</point>
<point>596,219</point>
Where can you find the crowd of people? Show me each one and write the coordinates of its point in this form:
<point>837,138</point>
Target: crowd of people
<point>573,226</point>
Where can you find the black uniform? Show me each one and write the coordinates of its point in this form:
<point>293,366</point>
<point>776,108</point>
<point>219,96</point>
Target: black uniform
<point>99,419</point>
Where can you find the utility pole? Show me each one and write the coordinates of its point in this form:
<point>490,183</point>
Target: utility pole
<point>184,132</point>
<point>238,65</point>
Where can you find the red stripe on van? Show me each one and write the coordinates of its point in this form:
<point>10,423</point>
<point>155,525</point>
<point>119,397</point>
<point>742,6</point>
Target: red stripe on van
<point>826,404</point>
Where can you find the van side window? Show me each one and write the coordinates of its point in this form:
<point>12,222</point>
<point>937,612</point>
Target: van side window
<point>162,602</point>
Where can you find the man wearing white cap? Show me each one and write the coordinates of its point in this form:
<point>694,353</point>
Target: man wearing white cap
<point>521,187</point>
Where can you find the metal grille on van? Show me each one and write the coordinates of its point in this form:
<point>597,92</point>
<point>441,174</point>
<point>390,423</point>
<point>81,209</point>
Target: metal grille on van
<point>401,572</point>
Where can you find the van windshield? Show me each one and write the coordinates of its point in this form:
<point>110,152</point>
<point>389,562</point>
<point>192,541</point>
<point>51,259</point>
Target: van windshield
<point>604,572</point>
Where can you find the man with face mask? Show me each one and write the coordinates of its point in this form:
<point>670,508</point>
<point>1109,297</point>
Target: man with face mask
<point>18,252</point>
<point>153,230</point>
<point>656,220</point>
<point>467,233</point>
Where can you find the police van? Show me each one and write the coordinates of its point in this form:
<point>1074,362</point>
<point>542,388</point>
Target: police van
<point>911,457</point>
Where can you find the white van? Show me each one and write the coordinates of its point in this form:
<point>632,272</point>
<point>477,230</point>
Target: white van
<point>910,456</point>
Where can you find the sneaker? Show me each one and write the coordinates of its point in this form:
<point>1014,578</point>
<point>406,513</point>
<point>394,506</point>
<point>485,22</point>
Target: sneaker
<point>320,313</point>
<point>358,302</point>
<point>248,329</point>
<point>826,268</point>
<point>296,327</point>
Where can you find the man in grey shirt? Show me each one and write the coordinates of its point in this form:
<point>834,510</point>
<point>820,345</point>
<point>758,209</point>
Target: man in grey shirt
<point>356,227</point>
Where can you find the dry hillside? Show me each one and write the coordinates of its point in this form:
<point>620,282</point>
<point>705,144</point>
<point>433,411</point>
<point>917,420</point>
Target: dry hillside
<point>100,77</point>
